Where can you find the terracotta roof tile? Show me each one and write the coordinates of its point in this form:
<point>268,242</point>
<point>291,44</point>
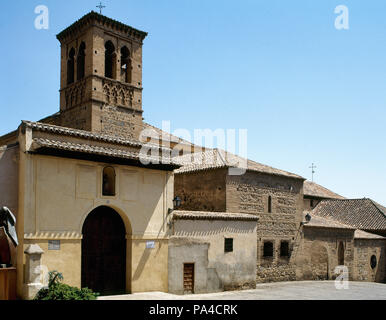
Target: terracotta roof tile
<point>99,150</point>
<point>363,214</point>
<point>87,135</point>
<point>315,190</point>
<point>216,158</point>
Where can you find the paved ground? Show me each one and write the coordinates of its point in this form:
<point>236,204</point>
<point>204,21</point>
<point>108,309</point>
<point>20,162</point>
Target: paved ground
<point>300,290</point>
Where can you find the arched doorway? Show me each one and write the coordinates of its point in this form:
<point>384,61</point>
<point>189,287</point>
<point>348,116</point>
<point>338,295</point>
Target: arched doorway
<point>104,252</point>
<point>341,254</point>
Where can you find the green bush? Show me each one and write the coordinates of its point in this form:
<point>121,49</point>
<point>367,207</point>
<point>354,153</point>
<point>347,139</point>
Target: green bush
<point>60,291</point>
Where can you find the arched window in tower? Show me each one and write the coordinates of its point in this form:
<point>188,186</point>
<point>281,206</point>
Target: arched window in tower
<point>110,56</point>
<point>125,65</point>
<point>108,187</point>
<point>71,66</point>
<point>81,59</point>
<point>269,204</point>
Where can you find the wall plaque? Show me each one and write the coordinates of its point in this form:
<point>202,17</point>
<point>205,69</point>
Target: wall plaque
<point>150,244</point>
<point>53,244</point>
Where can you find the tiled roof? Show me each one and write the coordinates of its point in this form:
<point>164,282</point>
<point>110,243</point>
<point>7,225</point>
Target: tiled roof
<point>315,190</point>
<point>98,150</point>
<point>359,234</point>
<point>216,158</point>
<point>203,215</point>
<point>363,214</point>
<point>86,134</point>
<point>321,222</point>
<point>79,133</point>
<point>158,134</point>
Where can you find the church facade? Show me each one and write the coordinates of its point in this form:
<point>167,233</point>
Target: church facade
<point>92,205</point>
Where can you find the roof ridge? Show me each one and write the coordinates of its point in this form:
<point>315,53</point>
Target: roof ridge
<point>346,199</point>
<point>376,205</point>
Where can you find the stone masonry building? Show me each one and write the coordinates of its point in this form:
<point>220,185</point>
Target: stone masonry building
<point>92,204</point>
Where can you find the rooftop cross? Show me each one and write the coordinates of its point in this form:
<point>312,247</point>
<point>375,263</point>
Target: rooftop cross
<point>101,6</point>
<point>313,171</point>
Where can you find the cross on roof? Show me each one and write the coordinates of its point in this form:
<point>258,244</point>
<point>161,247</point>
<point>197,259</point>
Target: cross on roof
<point>313,171</point>
<point>100,6</point>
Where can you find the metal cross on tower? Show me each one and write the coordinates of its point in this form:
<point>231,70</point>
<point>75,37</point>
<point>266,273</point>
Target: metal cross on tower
<point>313,171</point>
<point>101,6</point>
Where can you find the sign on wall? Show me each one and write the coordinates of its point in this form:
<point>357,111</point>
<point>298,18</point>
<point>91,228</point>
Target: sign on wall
<point>53,244</point>
<point>150,244</point>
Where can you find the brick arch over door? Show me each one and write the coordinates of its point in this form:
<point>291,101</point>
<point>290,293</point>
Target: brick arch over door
<point>104,252</point>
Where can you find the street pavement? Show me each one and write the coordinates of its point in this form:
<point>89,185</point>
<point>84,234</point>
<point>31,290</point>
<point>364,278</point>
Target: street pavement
<point>295,290</point>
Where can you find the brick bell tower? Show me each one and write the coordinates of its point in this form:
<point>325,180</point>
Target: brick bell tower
<point>101,76</point>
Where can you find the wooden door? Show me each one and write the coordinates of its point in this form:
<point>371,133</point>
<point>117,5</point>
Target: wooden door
<point>104,252</point>
<point>188,278</point>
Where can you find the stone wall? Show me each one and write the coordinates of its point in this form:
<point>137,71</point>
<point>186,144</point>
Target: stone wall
<point>364,250</point>
<point>317,254</point>
<point>202,190</point>
<point>221,270</point>
<point>250,193</point>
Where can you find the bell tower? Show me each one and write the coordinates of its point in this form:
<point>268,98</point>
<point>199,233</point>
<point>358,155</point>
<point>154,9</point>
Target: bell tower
<point>101,76</point>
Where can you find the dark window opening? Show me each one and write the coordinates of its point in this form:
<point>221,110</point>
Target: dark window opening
<point>284,249</point>
<point>341,254</point>
<point>373,262</point>
<point>312,203</point>
<point>269,204</point>
<point>108,181</point>
<point>81,61</point>
<point>71,66</point>
<point>268,249</point>
<point>110,60</point>
<point>228,245</point>
<point>125,65</point>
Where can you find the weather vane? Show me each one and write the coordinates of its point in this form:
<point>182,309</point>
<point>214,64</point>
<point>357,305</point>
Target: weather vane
<point>313,171</point>
<point>101,6</point>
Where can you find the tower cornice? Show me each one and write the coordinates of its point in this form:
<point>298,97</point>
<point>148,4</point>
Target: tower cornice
<point>94,18</point>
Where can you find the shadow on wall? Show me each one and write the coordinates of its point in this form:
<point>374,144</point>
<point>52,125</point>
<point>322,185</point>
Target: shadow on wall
<point>319,262</point>
<point>9,178</point>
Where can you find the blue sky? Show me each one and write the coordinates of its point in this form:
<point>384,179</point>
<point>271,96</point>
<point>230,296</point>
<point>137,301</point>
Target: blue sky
<point>305,91</point>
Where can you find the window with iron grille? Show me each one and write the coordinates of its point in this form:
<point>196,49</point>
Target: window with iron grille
<point>228,245</point>
<point>284,249</point>
<point>268,249</point>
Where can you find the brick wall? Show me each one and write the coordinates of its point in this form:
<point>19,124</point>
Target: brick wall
<point>201,191</point>
<point>364,249</point>
<point>317,255</point>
